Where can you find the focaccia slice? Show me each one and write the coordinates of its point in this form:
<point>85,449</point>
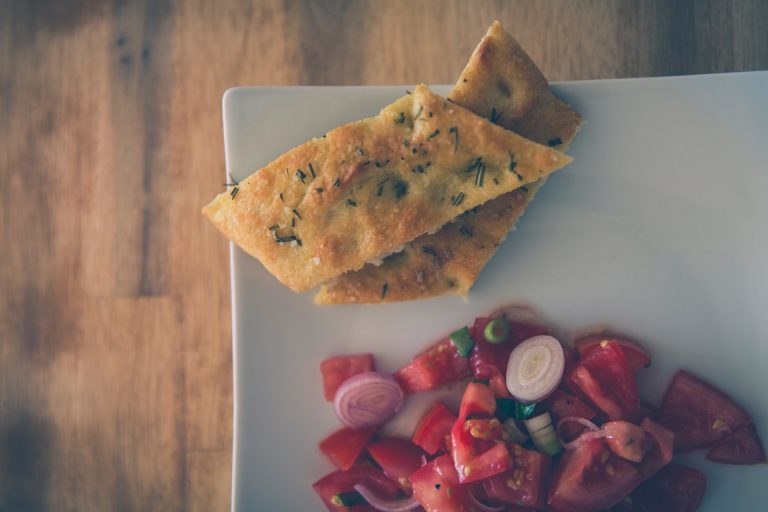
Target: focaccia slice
<point>500,82</point>
<point>366,188</point>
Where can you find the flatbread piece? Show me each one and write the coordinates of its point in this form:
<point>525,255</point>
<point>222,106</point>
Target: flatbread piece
<point>501,83</point>
<point>366,188</point>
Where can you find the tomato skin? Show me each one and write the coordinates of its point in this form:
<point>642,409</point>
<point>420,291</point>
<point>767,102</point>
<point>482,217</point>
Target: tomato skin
<point>398,458</point>
<point>433,428</point>
<point>344,446</point>
<point>743,447</point>
<point>337,369</point>
<point>436,487</point>
<point>700,415</point>
<point>438,365</point>
<point>561,405</point>
<point>636,355</point>
<point>660,453</point>
<point>604,378</point>
<point>344,481</point>
<point>591,477</point>
<point>673,489</point>
<point>524,483</point>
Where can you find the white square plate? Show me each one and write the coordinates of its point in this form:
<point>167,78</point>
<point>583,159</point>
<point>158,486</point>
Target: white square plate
<point>659,228</point>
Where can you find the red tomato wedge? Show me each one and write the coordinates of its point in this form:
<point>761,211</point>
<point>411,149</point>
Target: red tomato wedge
<point>582,382</point>
<point>524,484</point>
<point>476,459</point>
<point>637,356</point>
<point>436,487</point>
<point>672,489</point>
<point>337,369</point>
<point>399,458</point>
<point>433,428</point>
<point>591,477</point>
<point>338,487</point>
<point>743,447</point>
<point>478,399</point>
<point>440,364</point>
<point>344,446</point>
<point>604,378</point>
<point>660,453</point>
<point>561,405</point>
<point>700,415</point>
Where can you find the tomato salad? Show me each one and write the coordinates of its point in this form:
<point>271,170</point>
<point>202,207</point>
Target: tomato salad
<point>541,426</point>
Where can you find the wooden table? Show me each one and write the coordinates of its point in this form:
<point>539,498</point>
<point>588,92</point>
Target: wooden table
<point>115,358</point>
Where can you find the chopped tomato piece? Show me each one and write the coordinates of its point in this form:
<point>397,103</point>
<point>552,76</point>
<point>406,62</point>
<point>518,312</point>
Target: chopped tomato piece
<point>436,487</point>
<point>476,458</point>
<point>700,415</point>
<point>399,458</point>
<point>338,369</point>
<point>478,399</point>
<point>660,453</point>
<point>440,364</point>
<point>561,405</point>
<point>524,482</point>
<point>743,447</point>
<point>603,377</point>
<point>337,488</point>
<point>344,446</point>
<point>672,489</point>
<point>637,356</point>
<point>432,429</point>
<point>582,382</point>
<point>591,477</point>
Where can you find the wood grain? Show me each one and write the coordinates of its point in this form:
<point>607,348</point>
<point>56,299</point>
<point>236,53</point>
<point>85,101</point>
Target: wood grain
<point>115,358</point>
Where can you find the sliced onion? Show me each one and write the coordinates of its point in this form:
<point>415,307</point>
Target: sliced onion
<point>583,438</point>
<point>378,503</point>
<point>482,507</point>
<point>368,399</point>
<point>535,368</point>
<point>575,419</point>
<point>594,433</point>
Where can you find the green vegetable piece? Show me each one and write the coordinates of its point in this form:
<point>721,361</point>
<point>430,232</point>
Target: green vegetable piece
<point>509,408</point>
<point>515,433</point>
<point>463,341</point>
<point>543,434</point>
<point>497,330</point>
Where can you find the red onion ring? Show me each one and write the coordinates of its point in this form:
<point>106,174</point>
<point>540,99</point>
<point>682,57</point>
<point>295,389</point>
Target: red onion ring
<point>368,399</point>
<point>595,432</point>
<point>482,507</point>
<point>588,436</point>
<point>378,503</point>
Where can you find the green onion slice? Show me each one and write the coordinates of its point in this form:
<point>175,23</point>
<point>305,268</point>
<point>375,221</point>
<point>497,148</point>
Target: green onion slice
<point>497,330</point>
<point>463,341</point>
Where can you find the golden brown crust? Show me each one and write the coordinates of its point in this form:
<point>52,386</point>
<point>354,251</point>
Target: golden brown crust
<point>500,82</point>
<point>366,188</point>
